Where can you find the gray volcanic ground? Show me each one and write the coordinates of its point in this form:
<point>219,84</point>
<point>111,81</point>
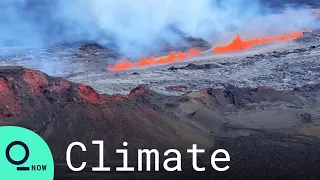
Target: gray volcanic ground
<point>261,104</point>
<point>282,65</point>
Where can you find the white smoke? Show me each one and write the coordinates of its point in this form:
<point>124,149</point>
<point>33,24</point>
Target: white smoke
<point>136,26</point>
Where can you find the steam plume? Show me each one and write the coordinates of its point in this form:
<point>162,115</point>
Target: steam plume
<point>138,26</point>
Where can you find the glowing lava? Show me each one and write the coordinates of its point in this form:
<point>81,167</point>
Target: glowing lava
<point>121,66</point>
<point>236,45</point>
<point>170,58</point>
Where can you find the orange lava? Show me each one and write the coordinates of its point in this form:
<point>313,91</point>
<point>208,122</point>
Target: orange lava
<point>170,58</point>
<point>121,66</point>
<point>238,44</point>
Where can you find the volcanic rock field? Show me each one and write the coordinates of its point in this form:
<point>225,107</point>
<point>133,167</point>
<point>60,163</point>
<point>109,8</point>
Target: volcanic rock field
<point>261,104</point>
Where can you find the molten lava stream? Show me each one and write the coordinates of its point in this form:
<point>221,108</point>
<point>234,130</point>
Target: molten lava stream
<point>238,44</point>
<point>121,66</point>
<point>172,57</point>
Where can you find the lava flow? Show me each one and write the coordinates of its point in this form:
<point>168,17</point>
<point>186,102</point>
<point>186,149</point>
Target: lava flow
<point>236,45</point>
<point>172,57</point>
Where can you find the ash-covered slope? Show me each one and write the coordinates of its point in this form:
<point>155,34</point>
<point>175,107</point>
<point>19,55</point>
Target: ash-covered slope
<point>263,129</point>
<point>63,112</point>
<point>261,108</point>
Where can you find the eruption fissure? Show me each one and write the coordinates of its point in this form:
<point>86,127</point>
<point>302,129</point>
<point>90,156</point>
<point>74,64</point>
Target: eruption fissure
<point>237,44</point>
<point>170,58</point>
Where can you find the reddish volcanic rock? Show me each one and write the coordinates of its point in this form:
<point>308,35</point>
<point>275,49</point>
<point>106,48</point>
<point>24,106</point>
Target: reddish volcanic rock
<point>9,104</point>
<point>176,88</point>
<point>61,87</point>
<point>3,85</point>
<point>35,80</point>
<point>63,112</point>
<point>89,94</point>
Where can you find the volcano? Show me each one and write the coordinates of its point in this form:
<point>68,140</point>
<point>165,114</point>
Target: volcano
<point>259,99</point>
<point>62,112</point>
